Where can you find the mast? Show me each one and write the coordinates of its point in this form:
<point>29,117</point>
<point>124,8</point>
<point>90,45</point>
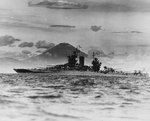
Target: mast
<point>93,55</point>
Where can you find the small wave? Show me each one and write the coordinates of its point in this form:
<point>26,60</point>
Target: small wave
<point>104,104</point>
<point>45,96</point>
<point>54,86</point>
<point>127,103</point>
<point>131,100</point>
<point>16,91</point>
<point>108,108</point>
<point>129,118</point>
<point>78,95</point>
<point>83,82</point>
<point>61,115</point>
<point>125,87</point>
<point>98,96</point>
<point>133,91</point>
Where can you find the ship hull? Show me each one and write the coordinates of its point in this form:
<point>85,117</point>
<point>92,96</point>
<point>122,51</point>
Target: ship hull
<point>27,71</point>
<point>76,73</point>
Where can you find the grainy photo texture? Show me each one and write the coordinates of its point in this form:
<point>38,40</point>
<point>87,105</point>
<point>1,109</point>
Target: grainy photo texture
<point>74,60</point>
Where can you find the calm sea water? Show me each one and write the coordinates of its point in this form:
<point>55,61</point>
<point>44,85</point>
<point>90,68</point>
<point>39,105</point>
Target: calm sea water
<point>41,97</point>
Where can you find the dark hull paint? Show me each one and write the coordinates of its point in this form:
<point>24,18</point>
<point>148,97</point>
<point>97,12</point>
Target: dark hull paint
<point>27,71</point>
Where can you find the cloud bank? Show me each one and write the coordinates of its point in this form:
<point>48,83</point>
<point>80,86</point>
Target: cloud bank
<point>119,5</point>
<point>128,32</point>
<point>58,4</point>
<point>26,44</point>
<point>14,55</point>
<point>26,52</point>
<point>44,44</point>
<point>96,53</point>
<point>96,28</point>
<point>7,40</point>
<point>95,5</point>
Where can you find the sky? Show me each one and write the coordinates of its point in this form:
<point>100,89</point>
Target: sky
<point>124,26</point>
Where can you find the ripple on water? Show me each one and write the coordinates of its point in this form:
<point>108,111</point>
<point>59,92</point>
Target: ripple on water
<point>61,115</point>
<point>38,97</point>
<point>45,96</point>
<point>54,86</point>
<point>132,100</point>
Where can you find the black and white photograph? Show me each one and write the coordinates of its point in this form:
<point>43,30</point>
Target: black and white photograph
<point>74,60</point>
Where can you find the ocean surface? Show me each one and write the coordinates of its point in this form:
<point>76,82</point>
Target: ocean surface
<point>43,97</point>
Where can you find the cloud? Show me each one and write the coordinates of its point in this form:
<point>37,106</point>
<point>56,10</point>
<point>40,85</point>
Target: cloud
<point>63,27</point>
<point>96,28</point>
<point>57,4</point>
<point>7,40</point>
<point>24,24</point>
<point>120,6</point>
<point>95,5</point>
<point>121,32</point>
<point>26,44</point>
<point>143,45</point>
<point>136,32</point>
<point>7,54</point>
<point>44,44</point>
<point>133,52</point>
<point>39,51</point>
<point>111,6</point>
<point>97,53</point>
<point>135,46</point>
<point>116,54</point>
<point>36,25</point>
<point>14,55</point>
<point>26,52</point>
<point>128,32</point>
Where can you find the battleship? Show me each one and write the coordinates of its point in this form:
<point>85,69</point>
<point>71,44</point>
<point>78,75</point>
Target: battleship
<point>72,67</point>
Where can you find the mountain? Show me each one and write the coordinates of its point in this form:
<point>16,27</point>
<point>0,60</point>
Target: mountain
<point>62,50</point>
<point>57,54</point>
